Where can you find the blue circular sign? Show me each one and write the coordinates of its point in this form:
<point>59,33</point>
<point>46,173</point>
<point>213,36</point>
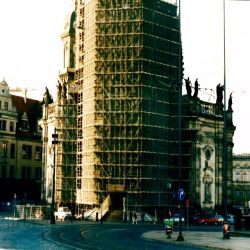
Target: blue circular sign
<point>181,194</point>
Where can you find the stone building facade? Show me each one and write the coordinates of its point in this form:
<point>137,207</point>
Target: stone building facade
<point>241,180</point>
<point>116,115</point>
<point>205,155</point>
<point>20,147</point>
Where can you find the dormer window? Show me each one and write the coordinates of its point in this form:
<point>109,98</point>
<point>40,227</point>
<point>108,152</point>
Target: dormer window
<point>25,125</point>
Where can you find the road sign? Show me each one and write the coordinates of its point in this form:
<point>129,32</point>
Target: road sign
<point>181,194</point>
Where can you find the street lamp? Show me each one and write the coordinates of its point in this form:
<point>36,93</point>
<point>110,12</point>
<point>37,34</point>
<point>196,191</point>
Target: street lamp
<point>180,236</point>
<point>169,196</point>
<point>14,205</point>
<point>225,146</point>
<point>52,215</point>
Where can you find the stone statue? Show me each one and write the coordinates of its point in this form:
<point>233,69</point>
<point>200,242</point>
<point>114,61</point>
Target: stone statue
<point>59,91</point>
<point>219,92</point>
<point>208,181</point>
<point>230,102</point>
<point>208,190</point>
<point>47,98</point>
<point>64,90</point>
<point>196,88</point>
<point>188,86</point>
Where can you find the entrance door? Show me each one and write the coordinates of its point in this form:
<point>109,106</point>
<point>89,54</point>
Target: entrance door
<point>116,200</point>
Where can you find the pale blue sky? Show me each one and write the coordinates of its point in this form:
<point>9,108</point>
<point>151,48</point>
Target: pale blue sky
<point>202,34</point>
<point>30,43</point>
<point>31,49</point>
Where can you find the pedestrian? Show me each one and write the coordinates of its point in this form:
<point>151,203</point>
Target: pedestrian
<point>142,217</point>
<point>124,216</point>
<point>130,216</point>
<point>83,214</point>
<point>169,222</point>
<point>170,215</point>
<point>134,217</point>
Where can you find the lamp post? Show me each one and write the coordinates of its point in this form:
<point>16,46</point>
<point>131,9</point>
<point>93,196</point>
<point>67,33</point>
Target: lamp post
<point>225,146</point>
<point>14,205</point>
<point>180,236</point>
<point>52,215</point>
<point>225,112</point>
<point>169,194</point>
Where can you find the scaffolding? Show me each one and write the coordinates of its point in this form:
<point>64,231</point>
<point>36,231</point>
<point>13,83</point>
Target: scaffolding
<point>117,116</point>
<point>127,72</point>
<point>66,152</point>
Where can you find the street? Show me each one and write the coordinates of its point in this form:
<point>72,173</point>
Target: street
<point>80,235</point>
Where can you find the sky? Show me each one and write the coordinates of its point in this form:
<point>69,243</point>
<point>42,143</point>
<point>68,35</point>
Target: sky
<point>202,37</point>
<point>30,43</point>
<point>31,50</point>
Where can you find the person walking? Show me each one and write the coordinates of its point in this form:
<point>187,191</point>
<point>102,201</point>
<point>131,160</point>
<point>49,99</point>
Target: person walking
<point>142,217</point>
<point>130,216</point>
<point>134,218</point>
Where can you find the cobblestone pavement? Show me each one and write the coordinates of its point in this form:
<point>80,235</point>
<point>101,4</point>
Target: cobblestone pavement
<point>212,240</point>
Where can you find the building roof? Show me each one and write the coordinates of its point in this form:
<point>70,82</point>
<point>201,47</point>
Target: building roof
<point>3,83</point>
<point>30,110</point>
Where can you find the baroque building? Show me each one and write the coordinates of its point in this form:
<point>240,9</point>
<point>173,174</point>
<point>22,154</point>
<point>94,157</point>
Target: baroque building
<point>20,147</point>
<point>241,180</point>
<point>204,152</point>
<point>116,114</point>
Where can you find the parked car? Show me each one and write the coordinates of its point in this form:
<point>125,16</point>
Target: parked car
<point>194,219</point>
<point>176,218</point>
<point>220,218</point>
<point>230,218</point>
<point>211,219</point>
<point>63,213</point>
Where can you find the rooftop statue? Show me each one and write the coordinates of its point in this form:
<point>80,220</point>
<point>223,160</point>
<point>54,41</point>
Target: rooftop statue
<point>47,98</point>
<point>188,86</point>
<point>196,88</point>
<point>219,92</point>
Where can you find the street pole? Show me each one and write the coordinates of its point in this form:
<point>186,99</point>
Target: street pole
<point>54,142</point>
<point>14,205</point>
<point>225,114</point>
<point>225,146</point>
<point>180,236</point>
